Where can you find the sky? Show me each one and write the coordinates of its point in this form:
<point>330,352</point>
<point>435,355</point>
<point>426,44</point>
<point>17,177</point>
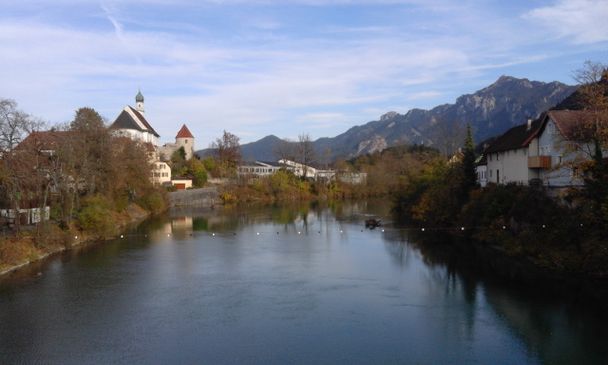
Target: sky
<point>282,67</point>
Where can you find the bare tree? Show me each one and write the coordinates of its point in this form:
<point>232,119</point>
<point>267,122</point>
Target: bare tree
<point>591,134</point>
<point>305,153</point>
<point>16,168</point>
<point>592,97</point>
<point>228,152</point>
<point>285,150</point>
<point>14,125</point>
<point>448,136</point>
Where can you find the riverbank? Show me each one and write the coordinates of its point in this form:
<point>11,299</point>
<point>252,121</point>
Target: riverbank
<point>29,246</point>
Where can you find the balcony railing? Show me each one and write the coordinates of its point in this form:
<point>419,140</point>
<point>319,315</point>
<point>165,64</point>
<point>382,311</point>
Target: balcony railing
<point>539,162</point>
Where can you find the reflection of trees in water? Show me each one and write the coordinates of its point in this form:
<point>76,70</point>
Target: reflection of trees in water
<point>547,326</point>
<point>443,283</point>
<point>556,333</point>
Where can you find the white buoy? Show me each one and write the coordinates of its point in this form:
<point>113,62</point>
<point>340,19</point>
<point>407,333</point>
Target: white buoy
<point>121,236</point>
<point>258,233</point>
<point>75,237</point>
<point>462,228</point>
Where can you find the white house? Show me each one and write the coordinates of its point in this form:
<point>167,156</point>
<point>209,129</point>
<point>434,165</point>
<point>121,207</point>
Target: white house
<point>481,169</point>
<point>558,152</point>
<point>299,169</point>
<point>258,168</point>
<point>542,150</point>
<point>161,173</point>
<point>132,123</point>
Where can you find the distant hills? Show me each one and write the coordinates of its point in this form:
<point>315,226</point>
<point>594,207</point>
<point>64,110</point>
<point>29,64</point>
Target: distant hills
<point>490,111</point>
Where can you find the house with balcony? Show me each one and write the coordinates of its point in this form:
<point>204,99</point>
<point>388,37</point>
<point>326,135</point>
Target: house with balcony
<point>543,150</point>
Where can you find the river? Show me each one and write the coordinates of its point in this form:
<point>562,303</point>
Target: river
<point>283,284</point>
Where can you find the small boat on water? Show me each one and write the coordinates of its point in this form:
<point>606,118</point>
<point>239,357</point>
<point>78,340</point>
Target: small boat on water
<point>372,223</point>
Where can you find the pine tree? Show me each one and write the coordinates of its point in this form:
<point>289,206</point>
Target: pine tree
<point>468,163</point>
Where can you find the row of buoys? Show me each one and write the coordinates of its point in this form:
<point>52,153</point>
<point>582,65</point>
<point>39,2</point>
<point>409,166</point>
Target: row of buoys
<point>421,229</point>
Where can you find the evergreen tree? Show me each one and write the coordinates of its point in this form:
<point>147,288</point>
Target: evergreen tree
<point>469,179</point>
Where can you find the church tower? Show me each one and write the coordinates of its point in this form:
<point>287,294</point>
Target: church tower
<point>139,102</point>
<point>184,138</point>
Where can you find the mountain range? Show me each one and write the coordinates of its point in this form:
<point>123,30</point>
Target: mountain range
<point>490,111</point>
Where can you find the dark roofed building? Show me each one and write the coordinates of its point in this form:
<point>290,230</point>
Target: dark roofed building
<point>516,137</point>
<point>46,142</point>
<point>544,149</point>
<point>132,123</point>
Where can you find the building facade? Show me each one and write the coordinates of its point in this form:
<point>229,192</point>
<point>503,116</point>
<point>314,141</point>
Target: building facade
<point>132,123</point>
<point>543,150</point>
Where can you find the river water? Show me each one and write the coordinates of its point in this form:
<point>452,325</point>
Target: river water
<point>288,284</point>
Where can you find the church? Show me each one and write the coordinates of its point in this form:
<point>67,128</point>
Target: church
<point>132,123</point>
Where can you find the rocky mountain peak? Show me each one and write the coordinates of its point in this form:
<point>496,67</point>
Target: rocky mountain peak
<point>388,116</point>
<point>507,102</point>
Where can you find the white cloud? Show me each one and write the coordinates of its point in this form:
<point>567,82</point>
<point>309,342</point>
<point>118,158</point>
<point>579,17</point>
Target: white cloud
<point>583,21</point>
<point>251,82</point>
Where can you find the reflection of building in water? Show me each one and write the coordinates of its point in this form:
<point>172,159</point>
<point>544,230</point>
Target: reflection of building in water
<point>179,227</point>
<point>182,226</point>
<point>161,232</point>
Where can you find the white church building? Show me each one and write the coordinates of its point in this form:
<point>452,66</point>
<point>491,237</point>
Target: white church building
<point>132,123</point>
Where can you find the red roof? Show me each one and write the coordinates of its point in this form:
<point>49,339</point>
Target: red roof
<point>184,132</point>
<point>45,140</point>
<point>573,124</point>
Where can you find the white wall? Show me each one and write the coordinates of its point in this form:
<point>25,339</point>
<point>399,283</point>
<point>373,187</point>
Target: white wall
<point>188,144</point>
<point>510,166</point>
<point>137,135</point>
<point>161,172</point>
<point>482,178</point>
<point>551,143</point>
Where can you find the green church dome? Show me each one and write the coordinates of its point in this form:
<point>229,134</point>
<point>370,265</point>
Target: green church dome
<point>139,97</point>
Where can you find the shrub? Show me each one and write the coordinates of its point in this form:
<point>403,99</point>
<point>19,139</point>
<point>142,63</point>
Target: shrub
<point>154,201</point>
<point>96,216</point>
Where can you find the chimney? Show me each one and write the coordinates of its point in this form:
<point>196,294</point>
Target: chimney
<point>529,126</point>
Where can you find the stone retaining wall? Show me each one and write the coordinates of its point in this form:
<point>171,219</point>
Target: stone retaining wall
<point>204,197</point>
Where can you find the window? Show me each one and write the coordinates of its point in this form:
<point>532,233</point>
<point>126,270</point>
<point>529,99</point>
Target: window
<point>186,142</point>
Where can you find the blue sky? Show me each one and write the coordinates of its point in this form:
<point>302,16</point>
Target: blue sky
<point>287,67</point>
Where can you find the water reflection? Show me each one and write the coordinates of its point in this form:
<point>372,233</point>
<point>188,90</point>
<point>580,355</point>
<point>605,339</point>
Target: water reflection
<point>301,283</point>
<point>548,326</point>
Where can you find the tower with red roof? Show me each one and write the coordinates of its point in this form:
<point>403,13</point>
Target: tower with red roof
<point>184,138</point>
